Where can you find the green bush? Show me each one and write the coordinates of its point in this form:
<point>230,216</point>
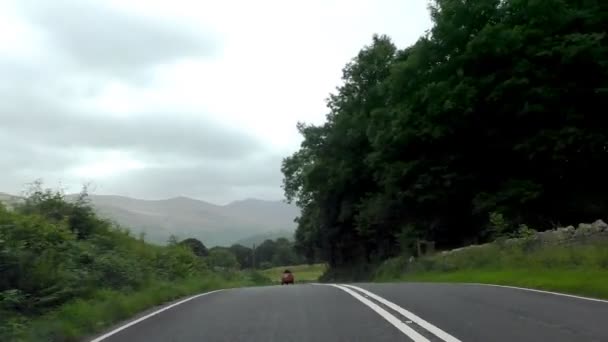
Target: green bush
<point>66,273</point>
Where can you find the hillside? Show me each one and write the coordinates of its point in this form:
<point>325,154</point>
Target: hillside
<point>186,217</point>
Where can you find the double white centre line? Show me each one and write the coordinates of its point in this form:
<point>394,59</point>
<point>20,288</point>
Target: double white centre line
<point>386,315</point>
<point>356,292</point>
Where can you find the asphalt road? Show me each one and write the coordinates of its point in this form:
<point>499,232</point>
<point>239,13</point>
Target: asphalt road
<point>386,312</point>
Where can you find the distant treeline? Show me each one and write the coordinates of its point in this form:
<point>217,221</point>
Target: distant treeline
<point>269,253</point>
<point>495,117</point>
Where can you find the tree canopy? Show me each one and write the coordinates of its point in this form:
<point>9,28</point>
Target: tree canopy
<point>279,252</point>
<point>196,246</point>
<point>243,255</point>
<point>497,109</point>
<point>221,257</point>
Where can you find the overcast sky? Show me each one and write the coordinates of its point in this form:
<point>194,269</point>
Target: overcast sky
<point>155,99</point>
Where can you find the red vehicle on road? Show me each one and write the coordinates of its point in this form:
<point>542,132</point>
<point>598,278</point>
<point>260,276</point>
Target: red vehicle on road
<point>287,277</point>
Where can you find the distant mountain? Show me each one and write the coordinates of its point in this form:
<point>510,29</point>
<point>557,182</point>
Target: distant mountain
<point>214,225</point>
<point>259,238</point>
<point>187,217</point>
<point>10,200</point>
<point>6,197</point>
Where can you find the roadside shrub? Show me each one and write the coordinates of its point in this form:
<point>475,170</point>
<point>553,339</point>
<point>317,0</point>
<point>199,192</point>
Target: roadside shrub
<point>57,254</point>
<point>178,262</point>
<point>117,271</point>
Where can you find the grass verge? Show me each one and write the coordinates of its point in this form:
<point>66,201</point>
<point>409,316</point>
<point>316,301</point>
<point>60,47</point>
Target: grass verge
<point>83,317</point>
<point>302,273</point>
<point>580,270</point>
<point>592,283</point>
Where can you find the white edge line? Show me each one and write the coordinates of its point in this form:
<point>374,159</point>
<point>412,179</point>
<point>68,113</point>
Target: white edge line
<point>123,327</point>
<point>411,333</point>
<point>411,316</point>
<point>541,291</point>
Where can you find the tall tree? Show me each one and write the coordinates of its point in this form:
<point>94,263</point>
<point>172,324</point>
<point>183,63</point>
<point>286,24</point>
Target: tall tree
<point>329,175</point>
<point>498,109</point>
<point>243,255</point>
<point>196,246</point>
<point>222,258</point>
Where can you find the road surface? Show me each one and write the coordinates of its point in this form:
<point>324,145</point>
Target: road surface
<point>372,312</point>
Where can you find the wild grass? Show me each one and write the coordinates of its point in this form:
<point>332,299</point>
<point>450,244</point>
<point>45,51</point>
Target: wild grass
<point>575,269</point>
<point>81,317</point>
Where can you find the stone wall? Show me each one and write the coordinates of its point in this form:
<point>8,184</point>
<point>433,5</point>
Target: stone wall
<point>585,232</point>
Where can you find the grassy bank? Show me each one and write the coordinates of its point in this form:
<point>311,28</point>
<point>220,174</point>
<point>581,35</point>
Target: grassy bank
<point>577,269</point>
<point>83,317</point>
<point>302,273</point>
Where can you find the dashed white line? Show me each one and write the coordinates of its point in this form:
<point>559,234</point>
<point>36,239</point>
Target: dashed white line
<point>409,315</point>
<point>123,327</point>
<point>409,332</point>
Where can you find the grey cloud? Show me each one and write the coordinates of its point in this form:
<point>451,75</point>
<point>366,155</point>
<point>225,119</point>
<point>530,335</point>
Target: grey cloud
<point>100,37</point>
<point>46,131</point>
<point>218,166</point>
<point>21,156</point>
<point>39,116</point>
<point>218,181</point>
<point>17,159</point>
<point>44,136</point>
<point>211,181</point>
<point>154,136</point>
<point>22,162</point>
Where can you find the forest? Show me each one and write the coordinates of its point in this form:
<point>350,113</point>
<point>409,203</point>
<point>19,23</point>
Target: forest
<point>495,114</point>
<point>270,253</point>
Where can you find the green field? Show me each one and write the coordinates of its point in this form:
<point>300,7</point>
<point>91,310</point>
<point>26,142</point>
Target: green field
<point>581,270</point>
<point>302,273</point>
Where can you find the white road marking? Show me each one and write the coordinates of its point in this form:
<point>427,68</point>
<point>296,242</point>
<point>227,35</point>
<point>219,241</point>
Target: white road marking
<point>409,332</point>
<point>409,315</point>
<point>123,327</point>
<point>541,291</point>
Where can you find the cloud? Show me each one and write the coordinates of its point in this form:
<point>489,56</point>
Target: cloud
<point>99,37</point>
<point>217,182</point>
<point>154,134</point>
<point>51,130</point>
<point>166,159</point>
<point>154,99</point>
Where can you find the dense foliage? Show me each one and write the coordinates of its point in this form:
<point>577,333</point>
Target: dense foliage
<point>268,254</point>
<point>196,246</point>
<point>277,252</point>
<point>55,252</point>
<point>496,110</point>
